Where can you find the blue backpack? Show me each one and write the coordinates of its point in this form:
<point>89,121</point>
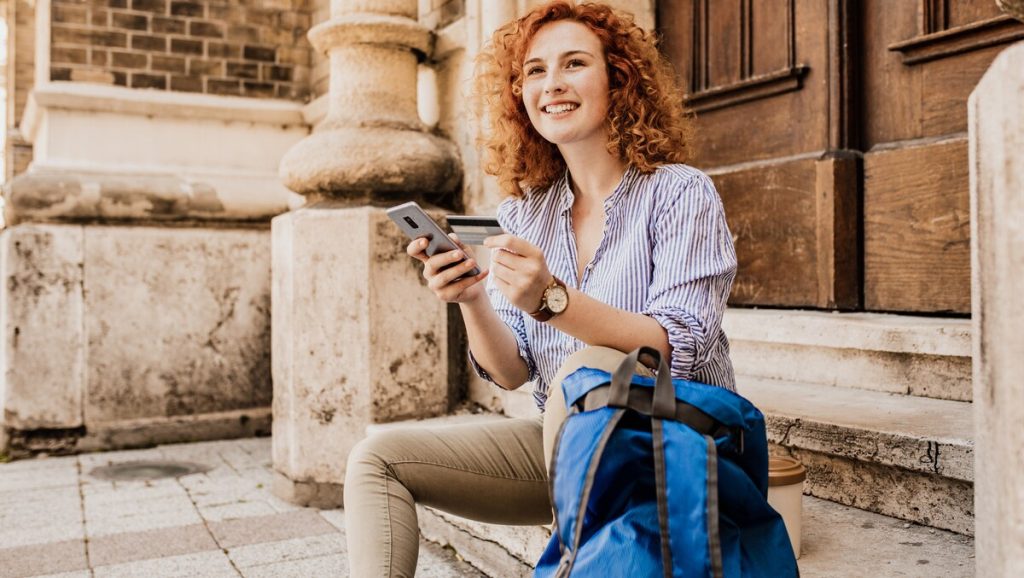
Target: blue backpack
<point>661,477</point>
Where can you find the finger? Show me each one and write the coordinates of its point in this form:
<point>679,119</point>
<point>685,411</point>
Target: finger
<point>509,243</point>
<point>503,259</point>
<point>440,260</point>
<point>455,289</point>
<point>465,248</point>
<point>445,278</point>
<point>500,278</point>
<point>416,249</point>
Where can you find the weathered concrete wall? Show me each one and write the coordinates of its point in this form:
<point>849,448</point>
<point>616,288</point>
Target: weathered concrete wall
<point>113,331</point>
<point>41,313</point>
<point>996,126</point>
<point>177,321</point>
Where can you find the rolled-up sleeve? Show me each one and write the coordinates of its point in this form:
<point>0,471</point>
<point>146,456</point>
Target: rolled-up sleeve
<point>694,264</point>
<point>508,313</point>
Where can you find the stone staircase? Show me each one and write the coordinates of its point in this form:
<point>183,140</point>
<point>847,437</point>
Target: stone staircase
<point>877,407</point>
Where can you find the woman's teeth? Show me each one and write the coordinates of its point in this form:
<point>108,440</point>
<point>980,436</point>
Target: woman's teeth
<point>557,108</point>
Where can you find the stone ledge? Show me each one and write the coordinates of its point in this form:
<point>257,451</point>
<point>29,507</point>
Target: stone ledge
<point>863,331</point>
<point>51,194</point>
<point>928,436</point>
<point>322,495</point>
<point>148,432</point>
<point>928,500</point>
<point>87,97</point>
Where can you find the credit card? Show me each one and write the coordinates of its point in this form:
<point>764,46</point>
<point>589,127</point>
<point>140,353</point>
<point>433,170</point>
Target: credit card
<point>473,230</point>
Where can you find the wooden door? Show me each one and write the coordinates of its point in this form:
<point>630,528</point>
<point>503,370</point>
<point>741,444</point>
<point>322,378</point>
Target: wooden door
<point>835,131</point>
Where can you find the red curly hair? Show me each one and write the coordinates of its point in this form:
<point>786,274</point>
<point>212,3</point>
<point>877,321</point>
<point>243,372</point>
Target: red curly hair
<point>647,124</point>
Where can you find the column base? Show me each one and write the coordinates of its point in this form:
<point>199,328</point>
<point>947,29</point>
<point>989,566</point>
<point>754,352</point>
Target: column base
<point>322,495</point>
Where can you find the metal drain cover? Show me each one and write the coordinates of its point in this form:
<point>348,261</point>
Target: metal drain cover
<point>146,470</point>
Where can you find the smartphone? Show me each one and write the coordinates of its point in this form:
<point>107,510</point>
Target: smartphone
<point>411,219</point>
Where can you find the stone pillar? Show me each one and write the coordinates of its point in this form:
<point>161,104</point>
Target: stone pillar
<point>357,338</point>
<point>996,126</point>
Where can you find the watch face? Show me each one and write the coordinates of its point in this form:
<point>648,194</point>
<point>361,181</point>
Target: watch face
<point>557,299</point>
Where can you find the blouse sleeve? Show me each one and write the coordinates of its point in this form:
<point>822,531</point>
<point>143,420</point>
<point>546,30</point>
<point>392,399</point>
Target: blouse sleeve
<point>694,264</point>
<point>508,313</point>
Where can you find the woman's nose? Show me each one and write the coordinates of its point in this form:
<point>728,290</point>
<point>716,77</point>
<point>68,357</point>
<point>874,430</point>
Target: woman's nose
<point>554,83</point>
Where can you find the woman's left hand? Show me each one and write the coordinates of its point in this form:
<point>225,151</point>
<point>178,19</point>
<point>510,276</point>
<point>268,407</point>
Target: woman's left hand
<point>519,270</point>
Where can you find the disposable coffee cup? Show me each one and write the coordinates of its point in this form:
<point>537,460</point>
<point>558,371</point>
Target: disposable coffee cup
<point>785,493</point>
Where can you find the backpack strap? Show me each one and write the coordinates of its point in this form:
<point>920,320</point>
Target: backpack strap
<point>714,537</point>
<point>569,554</point>
<point>661,487</point>
<point>641,400</point>
<point>661,403</point>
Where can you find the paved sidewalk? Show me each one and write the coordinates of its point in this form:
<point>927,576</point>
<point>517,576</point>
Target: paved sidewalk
<point>58,520</point>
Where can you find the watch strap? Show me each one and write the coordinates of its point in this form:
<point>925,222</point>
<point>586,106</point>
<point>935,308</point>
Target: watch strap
<point>543,313</point>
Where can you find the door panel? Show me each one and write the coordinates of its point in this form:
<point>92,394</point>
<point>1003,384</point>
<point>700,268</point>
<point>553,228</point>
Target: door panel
<point>760,86</point>
<point>917,228</point>
<point>922,60</point>
<point>836,133</point>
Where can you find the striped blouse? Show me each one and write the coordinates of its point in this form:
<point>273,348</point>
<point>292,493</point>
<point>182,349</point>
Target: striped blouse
<point>666,252</point>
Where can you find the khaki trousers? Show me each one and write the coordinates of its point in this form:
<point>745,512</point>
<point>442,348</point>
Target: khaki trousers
<point>494,472</point>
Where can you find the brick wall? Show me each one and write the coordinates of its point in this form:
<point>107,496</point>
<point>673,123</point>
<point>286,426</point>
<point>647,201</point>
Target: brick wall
<point>254,48</point>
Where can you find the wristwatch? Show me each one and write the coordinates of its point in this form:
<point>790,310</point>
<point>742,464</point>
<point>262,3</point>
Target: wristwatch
<point>554,301</point>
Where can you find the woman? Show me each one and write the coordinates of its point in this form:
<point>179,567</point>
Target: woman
<point>612,244</point>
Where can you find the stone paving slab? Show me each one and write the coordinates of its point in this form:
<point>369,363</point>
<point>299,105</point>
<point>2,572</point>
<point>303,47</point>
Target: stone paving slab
<point>224,522</point>
<point>165,542</point>
<point>14,536</point>
<point>287,550</point>
<point>257,530</point>
<point>48,558</point>
<point>213,564</point>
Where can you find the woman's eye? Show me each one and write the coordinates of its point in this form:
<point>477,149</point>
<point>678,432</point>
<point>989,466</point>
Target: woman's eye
<point>574,63</point>
<point>534,70</point>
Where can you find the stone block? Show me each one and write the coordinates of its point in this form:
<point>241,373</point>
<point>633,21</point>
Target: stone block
<point>996,129</point>
<point>928,500</point>
<point>358,338</point>
<point>927,357</point>
<point>177,320</point>
<point>43,352</point>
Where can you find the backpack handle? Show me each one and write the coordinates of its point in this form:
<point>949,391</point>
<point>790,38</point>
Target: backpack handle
<point>664,405</point>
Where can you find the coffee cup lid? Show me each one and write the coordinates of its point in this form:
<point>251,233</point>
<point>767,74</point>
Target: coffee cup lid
<point>783,471</point>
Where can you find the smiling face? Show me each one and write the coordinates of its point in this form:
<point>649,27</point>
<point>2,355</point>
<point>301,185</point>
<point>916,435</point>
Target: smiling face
<point>565,84</point>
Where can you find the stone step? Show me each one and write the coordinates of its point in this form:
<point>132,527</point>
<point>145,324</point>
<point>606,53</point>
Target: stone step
<point>903,456</point>
<point>838,542</point>
<point>920,356</point>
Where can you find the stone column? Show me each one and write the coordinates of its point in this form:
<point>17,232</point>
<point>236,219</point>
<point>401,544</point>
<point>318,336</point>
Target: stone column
<point>996,126</point>
<point>357,338</point>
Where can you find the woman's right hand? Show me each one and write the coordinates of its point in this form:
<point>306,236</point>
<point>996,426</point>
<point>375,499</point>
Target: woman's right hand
<point>443,283</point>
